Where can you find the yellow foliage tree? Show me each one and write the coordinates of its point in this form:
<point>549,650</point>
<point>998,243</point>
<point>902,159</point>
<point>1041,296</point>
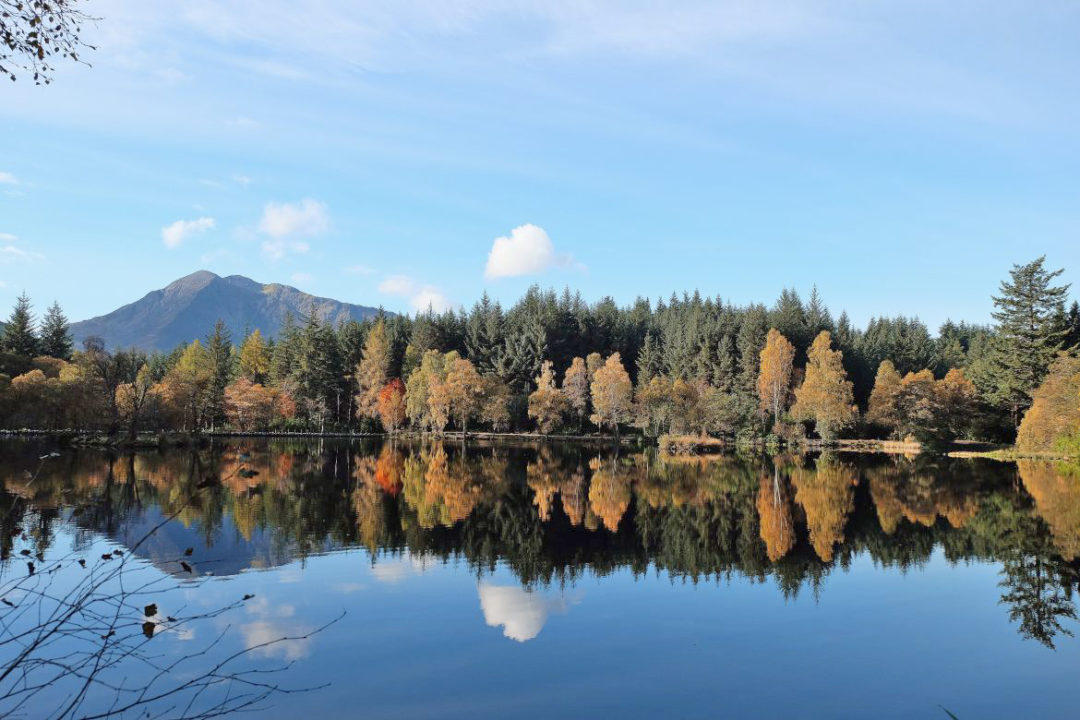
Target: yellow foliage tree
<point>827,496</point>
<point>883,408</point>
<point>826,396</point>
<point>373,371</point>
<point>1052,423</point>
<point>777,528</point>
<point>547,404</point>
<point>612,394</point>
<point>255,358</point>
<point>774,374</point>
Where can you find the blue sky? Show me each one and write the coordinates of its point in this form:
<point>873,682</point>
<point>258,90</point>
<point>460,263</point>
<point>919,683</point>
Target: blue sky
<point>899,155</point>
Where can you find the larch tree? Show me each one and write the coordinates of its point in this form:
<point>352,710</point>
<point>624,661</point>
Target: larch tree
<point>547,404</point>
<point>1029,332</point>
<point>826,396</point>
<point>373,371</point>
<point>883,408</point>
<point>774,374</point>
<point>575,387</point>
<point>187,386</point>
<point>465,391</point>
<point>612,394</point>
<point>392,405</point>
<point>255,358</point>
<point>134,398</point>
<point>1052,423</point>
<point>20,336</point>
<point>56,334</point>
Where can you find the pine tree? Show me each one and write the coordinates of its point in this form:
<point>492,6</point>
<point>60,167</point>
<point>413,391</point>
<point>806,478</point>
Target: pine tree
<point>1027,335</point>
<point>19,334</point>
<point>649,362</point>
<point>219,346</point>
<point>55,334</point>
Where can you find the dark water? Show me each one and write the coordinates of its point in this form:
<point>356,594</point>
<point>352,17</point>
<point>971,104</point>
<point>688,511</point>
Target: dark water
<point>561,581</point>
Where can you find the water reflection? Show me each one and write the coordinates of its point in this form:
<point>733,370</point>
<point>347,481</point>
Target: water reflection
<point>551,514</point>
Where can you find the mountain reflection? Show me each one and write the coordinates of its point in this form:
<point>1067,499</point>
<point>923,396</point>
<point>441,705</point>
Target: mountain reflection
<point>551,514</point>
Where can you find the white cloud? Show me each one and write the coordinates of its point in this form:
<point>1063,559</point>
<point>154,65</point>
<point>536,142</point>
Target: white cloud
<point>12,253</point>
<point>7,178</point>
<point>284,223</point>
<point>174,235</point>
<point>521,613</point>
<point>527,251</point>
<point>421,297</point>
<point>243,122</point>
<point>302,277</point>
<point>397,285</point>
<point>239,179</point>
<point>430,298</point>
<point>360,270</point>
<point>8,237</point>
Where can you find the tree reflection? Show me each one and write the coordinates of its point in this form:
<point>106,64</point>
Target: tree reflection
<point>551,513</point>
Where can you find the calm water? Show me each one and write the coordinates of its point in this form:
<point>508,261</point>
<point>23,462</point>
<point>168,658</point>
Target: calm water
<point>559,581</point>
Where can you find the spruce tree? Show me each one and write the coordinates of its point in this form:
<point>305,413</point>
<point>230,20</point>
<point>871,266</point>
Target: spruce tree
<point>55,334</point>
<point>219,346</point>
<point>19,334</point>
<point>1028,333</point>
<point>649,363</point>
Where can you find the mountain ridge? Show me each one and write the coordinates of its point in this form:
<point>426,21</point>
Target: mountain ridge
<point>188,307</point>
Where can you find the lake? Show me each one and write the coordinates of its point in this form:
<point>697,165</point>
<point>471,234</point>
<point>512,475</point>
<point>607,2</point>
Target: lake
<point>442,580</point>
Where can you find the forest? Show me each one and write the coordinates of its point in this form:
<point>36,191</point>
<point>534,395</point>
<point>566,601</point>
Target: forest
<point>554,364</point>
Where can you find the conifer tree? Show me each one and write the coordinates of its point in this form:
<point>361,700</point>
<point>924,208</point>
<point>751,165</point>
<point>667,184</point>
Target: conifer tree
<point>255,358</point>
<point>1027,335</point>
<point>219,346</point>
<point>55,334</point>
<point>883,408</point>
<point>649,360</point>
<point>372,372</point>
<point>20,337</point>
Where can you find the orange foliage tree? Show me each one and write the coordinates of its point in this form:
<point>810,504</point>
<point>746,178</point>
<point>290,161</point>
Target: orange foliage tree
<point>1052,423</point>
<point>612,393</point>
<point>391,405</point>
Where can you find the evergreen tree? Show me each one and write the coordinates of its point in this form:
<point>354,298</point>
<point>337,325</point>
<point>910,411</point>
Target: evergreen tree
<point>20,337</point>
<point>55,334</point>
<point>1072,324</point>
<point>1028,337</point>
<point>649,362</point>
<point>726,376</point>
<point>220,349</point>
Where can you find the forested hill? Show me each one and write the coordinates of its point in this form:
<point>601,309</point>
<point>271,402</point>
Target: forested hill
<point>185,309</point>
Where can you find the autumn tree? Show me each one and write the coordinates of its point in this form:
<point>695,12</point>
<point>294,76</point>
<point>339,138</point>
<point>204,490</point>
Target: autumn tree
<point>1052,423</point>
<point>547,404</point>
<point>883,408</point>
<point>825,396</point>
<point>185,388</point>
<point>652,405</point>
<point>134,398</point>
<point>419,387</point>
<point>373,371</point>
<point>495,408</point>
<point>250,406</point>
<point>464,391</point>
<point>392,405</point>
<point>774,374</point>
<point>33,35</point>
<point>575,387</point>
<point>612,394</point>
<point>255,358</point>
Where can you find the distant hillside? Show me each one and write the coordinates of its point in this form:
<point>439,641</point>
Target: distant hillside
<point>188,308</point>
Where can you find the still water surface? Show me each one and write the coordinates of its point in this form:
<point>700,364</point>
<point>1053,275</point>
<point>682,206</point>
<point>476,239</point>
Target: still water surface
<point>540,581</point>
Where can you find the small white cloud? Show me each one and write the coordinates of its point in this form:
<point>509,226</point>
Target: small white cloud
<point>302,277</point>
<point>208,182</point>
<point>527,251</point>
<point>421,297</point>
<point>7,178</point>
<point>8,237</point>
<point>243,180</point>
<point>430,298</point>
<point>13,253</point>
<point>284,223</point>
<point>360,270</point>
<point>211,257</point>
<point>397,285</point>
<point>243,122</point>
<point>175,234</point>
<point>521,613</point>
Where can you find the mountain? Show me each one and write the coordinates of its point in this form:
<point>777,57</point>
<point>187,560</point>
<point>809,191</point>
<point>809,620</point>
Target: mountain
<point>188,308</point>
